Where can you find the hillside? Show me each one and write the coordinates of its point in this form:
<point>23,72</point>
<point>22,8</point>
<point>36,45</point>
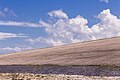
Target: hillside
<point>98,52</point>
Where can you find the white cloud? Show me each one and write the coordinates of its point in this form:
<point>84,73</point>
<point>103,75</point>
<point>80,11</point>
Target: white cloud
<point>13,49</point>
<point>106,1</point>
<point>21,24</point>
<point>58,14</point>
<point>7,12</point>
<point>109,25</point>
<point>65,31</point>
<point>10,35</point>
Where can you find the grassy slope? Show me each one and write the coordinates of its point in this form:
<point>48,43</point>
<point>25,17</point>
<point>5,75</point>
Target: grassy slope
<point>99,52</point>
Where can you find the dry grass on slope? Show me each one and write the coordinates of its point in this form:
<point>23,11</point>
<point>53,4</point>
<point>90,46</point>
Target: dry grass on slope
<point>99,52</point>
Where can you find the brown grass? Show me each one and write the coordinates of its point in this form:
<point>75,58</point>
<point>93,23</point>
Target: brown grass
<point>99,52</point>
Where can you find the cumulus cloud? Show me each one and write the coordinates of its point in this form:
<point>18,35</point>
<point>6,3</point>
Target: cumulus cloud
<point>10,35</point>
<point>72,30</point>
<point>58,14</point>
<point>65,31</point>
<point>109,25</point>
<point>106,1</point>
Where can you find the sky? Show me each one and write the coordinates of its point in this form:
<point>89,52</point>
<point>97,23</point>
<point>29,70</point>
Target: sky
<point>32,24</point>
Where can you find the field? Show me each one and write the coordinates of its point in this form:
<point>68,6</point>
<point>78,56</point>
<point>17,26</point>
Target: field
<point>99,52</point>
<point>91,60</point>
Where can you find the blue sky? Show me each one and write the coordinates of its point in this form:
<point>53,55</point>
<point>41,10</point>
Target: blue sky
<point>28,24</point>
